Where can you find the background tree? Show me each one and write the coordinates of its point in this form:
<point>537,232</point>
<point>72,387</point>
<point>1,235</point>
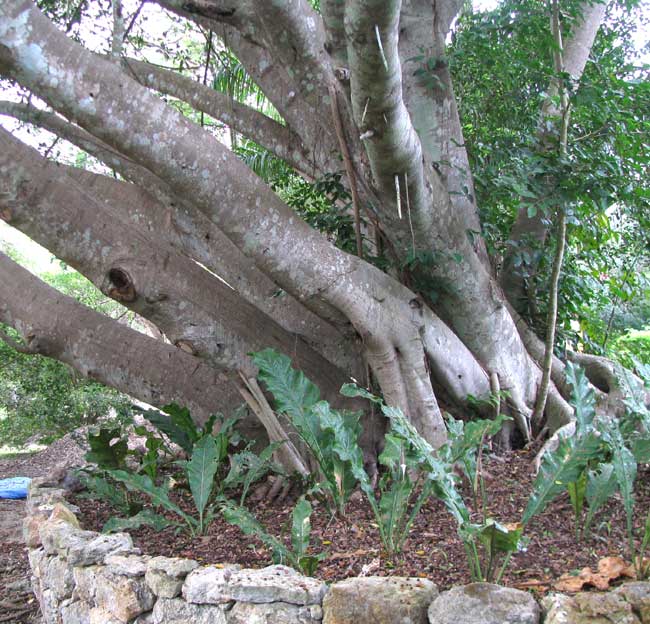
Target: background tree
<point>190,238</point>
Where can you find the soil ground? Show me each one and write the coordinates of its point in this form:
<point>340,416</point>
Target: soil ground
<point>433,549</point>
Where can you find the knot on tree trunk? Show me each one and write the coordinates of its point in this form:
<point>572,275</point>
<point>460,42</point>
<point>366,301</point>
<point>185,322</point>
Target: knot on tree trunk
<point>120,285</point>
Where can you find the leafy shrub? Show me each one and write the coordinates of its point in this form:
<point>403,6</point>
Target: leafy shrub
<point>599,460</point>
<point>43,398</point>
<point>632,347</point>
<point>113,480</point>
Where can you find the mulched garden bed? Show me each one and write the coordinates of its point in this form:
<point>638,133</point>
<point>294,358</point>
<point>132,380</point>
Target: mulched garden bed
<point>433,549</point>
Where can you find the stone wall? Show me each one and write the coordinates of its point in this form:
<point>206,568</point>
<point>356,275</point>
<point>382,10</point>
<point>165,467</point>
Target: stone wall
<point>83,577</point>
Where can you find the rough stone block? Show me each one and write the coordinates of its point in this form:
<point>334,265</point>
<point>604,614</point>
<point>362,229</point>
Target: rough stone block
<point>177,611</point>
<point>75,612</point>
<point>122,596</point>
<point>86,580</point>
<point>637,595</point>
<point>588,608</point>
<point>274,613</point>
<point>378,599</point>
<point>57,576</point>
<point>127,565</point>
<point>95,550</point>
<point>165,575</point>
<point>484,603</point>
<point>272,584</point>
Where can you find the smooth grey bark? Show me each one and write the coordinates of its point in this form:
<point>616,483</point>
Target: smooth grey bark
<point>398,332</point>
<point>267,132</point>
<point>254,219</point>
<point>170,218</point>
<point>197,312</point>
<point>100,348</point>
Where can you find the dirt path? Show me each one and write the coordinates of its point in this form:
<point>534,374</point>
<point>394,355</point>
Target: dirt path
<point>17,603</point>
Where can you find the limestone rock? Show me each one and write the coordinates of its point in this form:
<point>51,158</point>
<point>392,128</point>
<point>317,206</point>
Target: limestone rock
<point>127,565</point>
<point>380,600</point>
<point>84,553</point>
<point>274,613</point>
<point>637,594</point>
<point>100,616</point>
<point>50,608</point>
<point>31,529</point>
<point>145,618</point>
<point>272,584</point>
<point>57,576</point>
<point>588,608</point>
<point>177,611</point>
<point>43,498</point>
<point>165,575</point>
<point>58,537</point>
<point>75,612</point>
<point>86,580</point>
<point>37,561</point>
<point>62,512</point>
<point>484,603</point>
<point>122,596</point>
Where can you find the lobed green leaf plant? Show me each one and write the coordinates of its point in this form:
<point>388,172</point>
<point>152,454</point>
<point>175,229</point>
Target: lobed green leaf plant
<point>177,424</point>
<point>401,498</point>
<point>247,468</point>
<point>330,435</point>
<point>200,469</point>
<point>297,556</point>
<point>599,460</point>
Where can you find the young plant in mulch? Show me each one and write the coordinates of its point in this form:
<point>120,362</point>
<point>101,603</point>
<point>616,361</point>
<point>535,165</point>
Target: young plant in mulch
<point>330,435</point>
<point>597,461</point>
<point>487,544</point>
<point>207,457</point>
<point>297,556</point>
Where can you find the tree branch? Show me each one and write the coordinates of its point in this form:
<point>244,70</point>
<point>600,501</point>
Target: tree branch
<point>392,145</point>
<point>107,351</point>
<point>275,137</point>
<point>108,245</point>
<point>174,219</point>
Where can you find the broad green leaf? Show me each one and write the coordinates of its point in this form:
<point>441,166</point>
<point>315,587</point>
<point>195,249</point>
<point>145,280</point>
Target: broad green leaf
<point>577,491</point>
<point>201,470</point>
<point>309,563</point>
<point>352,390</point>
<point>583,398</point>
<point>177,433</point>
<point>601,485</point>
<point>146,517</point>
<point>641,449</point>
<point>242,518</point>
<point>98,488</point>
<point>294,395</point>
<point>495,536</point>
<point>625,469</point>
<point>440,473</point>
<point>560,467</point>
<point>301,527</point>
<point>159,495</point>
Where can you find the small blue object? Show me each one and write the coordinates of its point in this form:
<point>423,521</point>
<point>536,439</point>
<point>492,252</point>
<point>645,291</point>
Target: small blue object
<point>14,488</point>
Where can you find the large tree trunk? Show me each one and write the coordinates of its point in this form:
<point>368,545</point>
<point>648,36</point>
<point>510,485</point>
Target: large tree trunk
<point>190,204</point>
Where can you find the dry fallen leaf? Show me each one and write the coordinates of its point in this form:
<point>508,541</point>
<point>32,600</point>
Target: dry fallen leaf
<point>609,569</point>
